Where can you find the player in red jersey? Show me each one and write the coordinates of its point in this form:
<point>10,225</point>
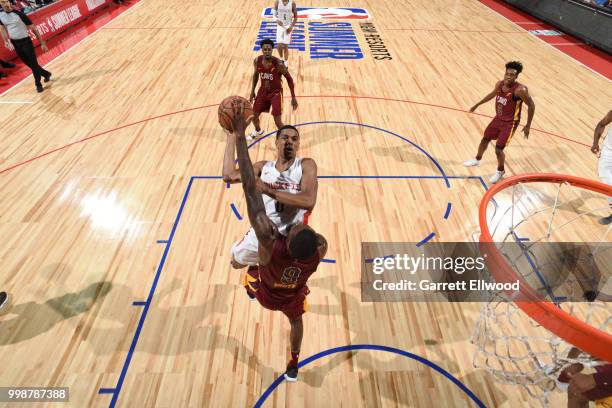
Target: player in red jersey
<point>285,263</point>
<point>270,93</point>
<point>509,96</point>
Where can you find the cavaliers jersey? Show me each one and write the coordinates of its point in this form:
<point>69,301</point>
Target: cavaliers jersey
<point>507,105</point>
<point>284,277</point>
<point>284,12</point>
<point>271,79</point>
<point>289,181</point>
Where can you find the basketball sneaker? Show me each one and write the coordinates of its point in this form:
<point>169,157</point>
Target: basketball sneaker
<point>5,301</point>
<point>291,373</point>
<point>497,176</point>
<point>606,220</point>
<point>255,135</point>
<point>471,162</point>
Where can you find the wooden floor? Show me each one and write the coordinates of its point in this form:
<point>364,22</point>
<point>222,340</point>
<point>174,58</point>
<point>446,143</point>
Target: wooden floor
<point>80,225</point>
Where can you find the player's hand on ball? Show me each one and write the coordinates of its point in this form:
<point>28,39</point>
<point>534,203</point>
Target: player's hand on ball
<point>294,103</point>
<point>239,123</point>
<point>526,132</point>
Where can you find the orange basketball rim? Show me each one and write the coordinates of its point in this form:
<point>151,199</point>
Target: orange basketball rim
<point>582,335</point>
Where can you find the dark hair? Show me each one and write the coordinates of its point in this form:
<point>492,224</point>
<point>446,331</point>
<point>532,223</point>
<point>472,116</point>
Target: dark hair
<point>266,41</point>
<point>303,245</point>
<point>515,65</point>
<point>278,132</point>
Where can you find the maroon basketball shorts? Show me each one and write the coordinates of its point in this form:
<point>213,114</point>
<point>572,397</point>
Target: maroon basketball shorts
<point>500,131</point>
<point>264,101</point>
<point>293,307</point>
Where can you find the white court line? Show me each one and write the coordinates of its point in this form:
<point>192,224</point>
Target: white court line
<point>15,102</point>
<point>568,56</point>
<point>75,45</point>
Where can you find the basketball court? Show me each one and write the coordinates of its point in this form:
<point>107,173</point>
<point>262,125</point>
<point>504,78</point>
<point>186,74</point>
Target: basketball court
<point>117,226</point>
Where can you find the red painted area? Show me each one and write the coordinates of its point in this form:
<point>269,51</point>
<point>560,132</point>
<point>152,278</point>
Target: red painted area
<point>593,58</point>
<point>63,42</point>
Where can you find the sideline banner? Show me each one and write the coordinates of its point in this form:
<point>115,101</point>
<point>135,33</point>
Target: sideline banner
<point>57,17</point>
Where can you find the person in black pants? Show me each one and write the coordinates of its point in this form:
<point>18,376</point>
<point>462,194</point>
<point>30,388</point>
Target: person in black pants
<point>15,26</point>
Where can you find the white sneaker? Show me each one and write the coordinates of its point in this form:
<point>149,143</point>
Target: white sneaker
<point>497,176</point>
<point>286,64</point>
<point>471,162</point>
<point>255,134</point>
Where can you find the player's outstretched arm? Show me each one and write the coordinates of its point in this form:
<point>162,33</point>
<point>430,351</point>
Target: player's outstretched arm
<point>488,97</point>
<point>599,131</point>
<point>231,174</point>
<point>264,228</point>
<point>307,197</point>
<point>523,93</point>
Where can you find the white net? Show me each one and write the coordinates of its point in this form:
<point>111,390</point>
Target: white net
<point>524,219</point>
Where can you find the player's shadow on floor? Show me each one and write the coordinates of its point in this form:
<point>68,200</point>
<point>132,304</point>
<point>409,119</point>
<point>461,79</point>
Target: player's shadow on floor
<point>28,320</point>
<point>65,108</point>
<point>409,154</point>
<point>89,76</point>
<point>199,325</point>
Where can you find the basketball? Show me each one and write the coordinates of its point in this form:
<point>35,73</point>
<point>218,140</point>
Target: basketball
<point>226,111</point>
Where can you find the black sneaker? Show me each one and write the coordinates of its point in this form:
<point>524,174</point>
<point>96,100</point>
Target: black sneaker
<point>251,296</point>
<point>606,220</point>
<point>291,373</point>
<point>39,88</point>
<point>5,300</point>
<point>6,64</point>
<point>47,78</point>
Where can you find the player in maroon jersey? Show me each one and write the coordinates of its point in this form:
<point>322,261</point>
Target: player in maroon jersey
<point>509,96</point>
<point>285,263</point>
<point>270,93</point>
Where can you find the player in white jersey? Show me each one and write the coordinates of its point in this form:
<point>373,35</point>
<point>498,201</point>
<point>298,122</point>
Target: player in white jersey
<point>285,12</point>
<point>605,157</point>
<point>289,185</point>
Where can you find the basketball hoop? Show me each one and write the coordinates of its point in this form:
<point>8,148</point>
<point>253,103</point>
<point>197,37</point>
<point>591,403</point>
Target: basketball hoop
<point>531,351</point>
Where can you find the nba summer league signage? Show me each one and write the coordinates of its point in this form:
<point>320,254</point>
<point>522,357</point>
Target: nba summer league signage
<point>327,39</point>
